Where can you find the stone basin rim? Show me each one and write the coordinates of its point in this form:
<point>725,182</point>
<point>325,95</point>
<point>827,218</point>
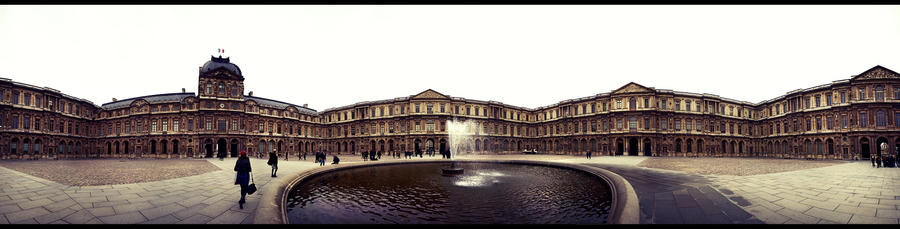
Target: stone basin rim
<point>624,207</point>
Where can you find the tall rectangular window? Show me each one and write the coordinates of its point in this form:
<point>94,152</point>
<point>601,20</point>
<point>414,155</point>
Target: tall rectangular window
<point>843,97</point>
<point>664,124</point>
<point>153,126</point>
<point>862,94</point>
<point>844,121</point>
<point>165,125</point>
<point>880,119</point>
<point>632,124</point>
<point>862,119</point>
<point>829,122</point>
<point>677,123</point>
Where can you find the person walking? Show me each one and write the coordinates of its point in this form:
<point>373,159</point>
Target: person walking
<point>878,161</point>
<point>379,155</point>
<point>322,161</point>
<point>273,161</point>
<point>873,160</point>
<point>242,167</point>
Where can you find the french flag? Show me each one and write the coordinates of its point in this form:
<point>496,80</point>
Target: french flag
<point>221,50</point>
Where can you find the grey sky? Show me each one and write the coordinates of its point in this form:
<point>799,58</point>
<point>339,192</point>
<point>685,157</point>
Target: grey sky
<point>530,56</point>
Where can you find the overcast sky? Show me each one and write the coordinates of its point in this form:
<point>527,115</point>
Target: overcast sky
<point>530,56</point>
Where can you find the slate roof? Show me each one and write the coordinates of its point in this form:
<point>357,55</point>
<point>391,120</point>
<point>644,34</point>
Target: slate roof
<point>152,99</point>
<point>279,104</point>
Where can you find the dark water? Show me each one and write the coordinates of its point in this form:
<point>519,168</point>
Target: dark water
<point>418,193</point>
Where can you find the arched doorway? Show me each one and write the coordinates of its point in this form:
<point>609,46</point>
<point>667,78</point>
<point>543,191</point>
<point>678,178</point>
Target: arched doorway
<point>209,148</point>
<point>878,146</point>
<point>647,151</point>
<point>417,145</point>
<point>234,147</point>
<point>632,147</point>
<point>429,145</point>
<point>381,146</point>
<point>153,147</point>
<point>620,146</point>
<point>864,148</point>
<point>222,147</point>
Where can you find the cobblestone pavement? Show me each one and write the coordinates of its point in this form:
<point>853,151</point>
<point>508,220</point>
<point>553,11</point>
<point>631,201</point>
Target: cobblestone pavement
<point>845,193</point>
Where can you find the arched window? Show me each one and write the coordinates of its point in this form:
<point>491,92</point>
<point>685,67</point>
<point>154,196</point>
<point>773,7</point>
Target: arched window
<point>208,88</point>
<point>221,90</point>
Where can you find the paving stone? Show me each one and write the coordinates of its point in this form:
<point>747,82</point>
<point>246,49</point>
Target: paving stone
<point>167,219</point>
<point>54,216</point>
<point>131,207</point>
<point>26,214</point>
<point>9,208</point>
<point>820,204</point>
<point>767,215</point>
<point>860,219</point>
<point>35,203</point>
<point>102,211</point>
<point>79,217</point>
<point>191,211</point>
<point>216,209</point>
<point>887,213</point>
<point>127,218</point>
<point>797,216</point>
<point>196,219</point>
<point>109,203</point>
<point>790,204</point>
<point>828,215</point>
<point>692,215</point>
<point>153,213</point>
<point>229,217</point>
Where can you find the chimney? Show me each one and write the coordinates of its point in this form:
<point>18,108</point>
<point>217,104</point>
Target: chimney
<point>114,99</point>
<point>251,93</point>
<point>304,105</point>
<point>182,90</point>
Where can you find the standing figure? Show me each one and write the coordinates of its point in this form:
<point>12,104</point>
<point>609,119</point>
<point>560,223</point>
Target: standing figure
<point>873,161</point>
<point>589,155</point>
<point>379,155</point>
<point>273,161</point>
<point>242,167</point>
<point>322,161</point>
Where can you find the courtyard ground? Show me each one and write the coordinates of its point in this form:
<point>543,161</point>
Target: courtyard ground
<point>670,190</point>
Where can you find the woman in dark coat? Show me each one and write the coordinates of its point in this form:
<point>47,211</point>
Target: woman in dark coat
<point>273,161</point>
<point>242,167</point>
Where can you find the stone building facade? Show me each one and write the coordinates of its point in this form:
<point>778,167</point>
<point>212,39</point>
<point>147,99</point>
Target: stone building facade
<point>845,119</point>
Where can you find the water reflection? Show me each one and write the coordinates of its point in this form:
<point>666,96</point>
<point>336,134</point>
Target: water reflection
<point>417,193</point>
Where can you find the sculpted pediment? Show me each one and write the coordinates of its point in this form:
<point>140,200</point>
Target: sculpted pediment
<point>877,72</point>
<point>632,88</point>
<point>430,94</point>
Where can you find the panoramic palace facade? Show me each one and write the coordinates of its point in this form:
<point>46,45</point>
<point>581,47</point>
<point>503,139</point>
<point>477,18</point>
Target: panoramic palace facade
<point>845,119</point>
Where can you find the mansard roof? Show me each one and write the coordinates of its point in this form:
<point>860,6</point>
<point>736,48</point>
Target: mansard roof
<point>279,104</point>
<point>152,99</point>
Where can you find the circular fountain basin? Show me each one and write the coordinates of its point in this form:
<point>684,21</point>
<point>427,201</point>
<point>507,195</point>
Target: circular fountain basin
<point>418,193</point>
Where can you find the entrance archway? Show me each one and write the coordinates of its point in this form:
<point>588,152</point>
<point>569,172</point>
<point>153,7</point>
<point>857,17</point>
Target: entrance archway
<point>620,147</point>
<point>647,151</point>
<point>234,147</point>
<point>222,148</point>
<point>429,144</point>
<point>632,147</point>
<point>878,145</point>
<point>864,148</point>
<point>209,148</point>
